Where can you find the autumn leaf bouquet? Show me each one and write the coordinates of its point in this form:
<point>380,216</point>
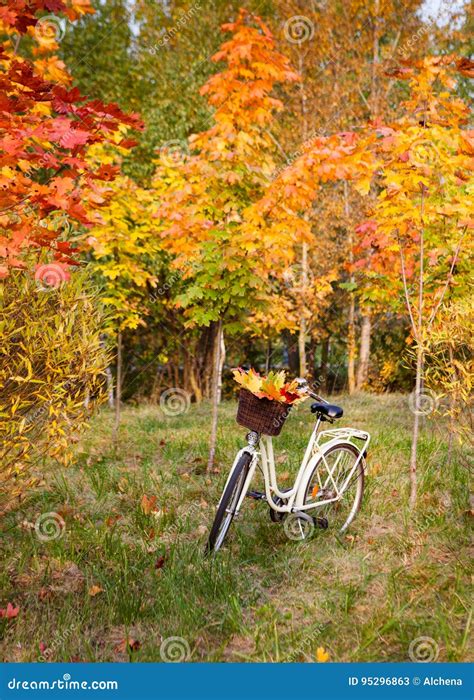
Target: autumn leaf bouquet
<point>265,402</point>
<point>273,387</point>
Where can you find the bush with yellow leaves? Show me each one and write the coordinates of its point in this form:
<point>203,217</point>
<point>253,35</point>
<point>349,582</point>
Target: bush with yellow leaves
<point>449,364</point>
<point>51,374</point>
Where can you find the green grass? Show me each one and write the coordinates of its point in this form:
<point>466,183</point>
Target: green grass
<point>364,597</point>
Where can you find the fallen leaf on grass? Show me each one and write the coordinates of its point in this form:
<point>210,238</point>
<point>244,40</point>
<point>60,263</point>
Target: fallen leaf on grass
<point>126,645</point>
<point>112,519</point>
<point>9,612</point>
<point>148,504</point>
<point>284,476</point>
<point>95,590</point>
<point>150,534</point>
<point>44,593</point>
<point>160,562</point>
<point>122,484</point>
<point>322,655</point>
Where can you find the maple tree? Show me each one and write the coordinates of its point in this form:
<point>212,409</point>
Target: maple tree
<point>205,195</point>
<point>46,128</point>
<point>417,233</point>
<point>125,256</point>
<point>340,90</point>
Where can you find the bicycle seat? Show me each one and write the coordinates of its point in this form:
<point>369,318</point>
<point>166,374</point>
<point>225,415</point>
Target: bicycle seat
<point>327,410</point>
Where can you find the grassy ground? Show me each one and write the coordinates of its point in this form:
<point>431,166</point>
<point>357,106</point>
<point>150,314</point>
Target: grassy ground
<point>127,573</point>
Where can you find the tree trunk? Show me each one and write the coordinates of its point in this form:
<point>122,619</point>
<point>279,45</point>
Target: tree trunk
<point>302,347</point>
<point>216,371</point>
<point>302,329</point>
<point>351,341</point>
<point>311,355</point>
<point>323,378</point>
<point>351,344</point>
<point>291,343</point>
<point>364,355</point>
<point>221,364</point>
<point>194,385</point>
<point>206,348</point>
<point>419,366</point>
<point>268,355</point>
<point>416,425</point>
<point>118,390</point>
<point>110,387</point>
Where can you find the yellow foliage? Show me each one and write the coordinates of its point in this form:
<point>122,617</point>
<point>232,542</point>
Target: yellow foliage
<point>51,359</point>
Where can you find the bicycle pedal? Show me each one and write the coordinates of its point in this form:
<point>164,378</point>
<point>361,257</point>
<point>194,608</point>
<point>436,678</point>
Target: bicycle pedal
<point>256,495</point>
<point>321,523</point>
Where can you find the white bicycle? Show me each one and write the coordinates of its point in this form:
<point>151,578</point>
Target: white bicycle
<point>330,480</point>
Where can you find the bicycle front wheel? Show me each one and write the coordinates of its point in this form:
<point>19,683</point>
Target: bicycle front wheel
<point>340,460</point>
<point>230,498</point>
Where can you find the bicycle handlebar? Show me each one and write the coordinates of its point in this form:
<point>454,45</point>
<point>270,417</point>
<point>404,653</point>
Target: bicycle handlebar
<point>303,384</point>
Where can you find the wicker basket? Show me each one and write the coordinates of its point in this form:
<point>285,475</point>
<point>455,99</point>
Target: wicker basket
<point>262,415</point>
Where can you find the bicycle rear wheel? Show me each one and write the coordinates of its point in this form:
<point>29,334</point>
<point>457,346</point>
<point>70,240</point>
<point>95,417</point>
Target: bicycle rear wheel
<point>226,509</point>
<point>337,515</point>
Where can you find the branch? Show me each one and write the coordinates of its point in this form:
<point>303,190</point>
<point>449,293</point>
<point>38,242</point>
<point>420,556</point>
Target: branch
<point>279,146</point>
<point>405,288</point>
<point>448,279</point>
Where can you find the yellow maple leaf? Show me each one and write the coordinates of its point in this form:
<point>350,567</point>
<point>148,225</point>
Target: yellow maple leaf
<point>322,655</point>
<point>94,590</point>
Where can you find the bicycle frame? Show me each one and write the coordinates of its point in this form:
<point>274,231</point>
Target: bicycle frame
<point>315,451</point>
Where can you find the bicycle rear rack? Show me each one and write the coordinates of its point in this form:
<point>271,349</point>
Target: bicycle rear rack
<point>350,434</point>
